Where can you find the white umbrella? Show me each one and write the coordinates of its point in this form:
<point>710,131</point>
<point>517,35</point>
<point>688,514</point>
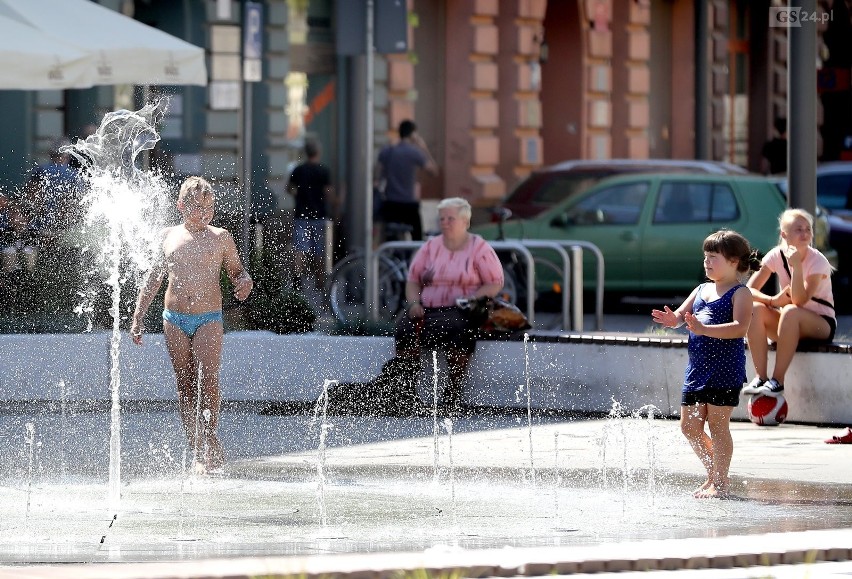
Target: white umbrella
<point>33,62</point>
<point>121,50</point>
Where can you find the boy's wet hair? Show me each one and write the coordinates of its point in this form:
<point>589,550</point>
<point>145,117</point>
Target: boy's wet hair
<point>731,245</point>
<point>193,186</point>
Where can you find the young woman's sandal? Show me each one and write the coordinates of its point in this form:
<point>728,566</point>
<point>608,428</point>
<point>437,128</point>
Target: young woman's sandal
<point>845,438</point>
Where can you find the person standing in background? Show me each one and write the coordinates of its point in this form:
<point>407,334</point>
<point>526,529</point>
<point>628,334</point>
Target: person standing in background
<point>316,203</point>
<point>397,169</point>
<point>52,193</point>
<point>774,153</point>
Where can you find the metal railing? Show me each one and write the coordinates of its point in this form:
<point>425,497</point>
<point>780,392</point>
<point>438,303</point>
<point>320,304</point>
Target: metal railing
<point>572,275</point>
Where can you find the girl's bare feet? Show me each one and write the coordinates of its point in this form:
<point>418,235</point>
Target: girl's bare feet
<point>713,492</point>
<point>707,484</point>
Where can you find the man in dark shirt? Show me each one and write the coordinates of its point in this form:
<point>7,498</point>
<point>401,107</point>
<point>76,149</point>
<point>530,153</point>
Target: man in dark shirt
<point>316,203</point>
<point>397,168</point>
<point>52,193</point>
<point>774,152</point>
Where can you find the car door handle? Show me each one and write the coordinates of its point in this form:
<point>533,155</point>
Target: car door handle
<point>628,236</point>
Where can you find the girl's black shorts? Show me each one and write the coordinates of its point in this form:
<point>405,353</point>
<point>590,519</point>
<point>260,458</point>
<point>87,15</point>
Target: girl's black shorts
<point>714,396</point>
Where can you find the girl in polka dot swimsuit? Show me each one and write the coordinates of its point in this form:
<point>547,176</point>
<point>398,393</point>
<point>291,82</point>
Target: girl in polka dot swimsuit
<point>717,314</point>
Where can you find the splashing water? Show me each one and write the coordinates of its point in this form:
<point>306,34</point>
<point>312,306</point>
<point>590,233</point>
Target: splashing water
<point>63,395</point>
<point>529,404</point>
<point>29,440</point>
<point>631,439</point>
<point>615,412</point>
<point>557,479</point>
<point>435,414</point>
<point>651,410</point>
<point>124,209</point>
<point>207,416</point>
<point>321,417</point>
<point>448,426</point>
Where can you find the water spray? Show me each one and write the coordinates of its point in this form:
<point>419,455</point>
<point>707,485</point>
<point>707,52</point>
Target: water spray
<point>125,208</point>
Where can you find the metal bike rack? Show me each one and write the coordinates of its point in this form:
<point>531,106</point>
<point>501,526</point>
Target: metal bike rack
<point>577,247</point>
<point>572,275</point>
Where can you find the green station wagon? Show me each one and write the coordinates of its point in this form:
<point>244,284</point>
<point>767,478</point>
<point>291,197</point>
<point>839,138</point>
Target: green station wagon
<point>650,227</point>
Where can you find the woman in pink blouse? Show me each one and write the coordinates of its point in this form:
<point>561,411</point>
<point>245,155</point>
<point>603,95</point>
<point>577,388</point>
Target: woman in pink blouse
<point>455,264</point>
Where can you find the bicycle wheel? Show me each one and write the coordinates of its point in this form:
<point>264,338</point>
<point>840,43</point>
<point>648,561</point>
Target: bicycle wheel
<point>509,291</point>
<point>548,294</point>
<point>391,289</point>
<point>347,290</point>
<point>548,282</point>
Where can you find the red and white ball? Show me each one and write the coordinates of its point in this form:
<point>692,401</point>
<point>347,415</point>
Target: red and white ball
<point>767,410</point>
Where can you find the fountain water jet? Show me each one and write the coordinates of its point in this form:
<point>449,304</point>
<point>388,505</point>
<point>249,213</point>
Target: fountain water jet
<point>529,403</point>
<point>321,417</point>
<point>124,207</point>
<point>64,422</point>
<point>435,414</point>
<point>448,426</point>
<point>29,440</point>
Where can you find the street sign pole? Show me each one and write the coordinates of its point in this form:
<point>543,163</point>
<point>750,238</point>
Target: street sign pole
<point>802,110</point>
<point>252,72</point>
<point>372,27</point>
<point>245,246</point>
<point>370,281</point>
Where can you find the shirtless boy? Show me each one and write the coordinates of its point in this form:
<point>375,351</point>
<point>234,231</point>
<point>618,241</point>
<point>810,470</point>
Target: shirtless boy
<point>194,254</point>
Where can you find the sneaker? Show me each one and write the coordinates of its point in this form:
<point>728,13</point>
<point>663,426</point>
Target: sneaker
<point>771,387</point>
<point>753,387</point>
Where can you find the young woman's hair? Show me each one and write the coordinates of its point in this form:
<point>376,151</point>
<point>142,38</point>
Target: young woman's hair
<point>193,186</point>
<point>457,203</point>
<point>731,245</point>
<point>788,217</point>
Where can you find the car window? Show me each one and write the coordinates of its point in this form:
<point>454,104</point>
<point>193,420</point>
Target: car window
<point>616,205</point>
<point>683,202</point>
<point>676,202</point>
<point>553,190</point>
<point>724,204</point>
<point>835,191</point>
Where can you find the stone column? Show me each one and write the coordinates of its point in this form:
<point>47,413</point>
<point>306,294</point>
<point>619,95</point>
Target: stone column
<point>597,111</point>
<point>472,77</point>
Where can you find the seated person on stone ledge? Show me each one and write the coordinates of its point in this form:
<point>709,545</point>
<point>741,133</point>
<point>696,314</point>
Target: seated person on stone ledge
<point>802,309</point>
<point>455,264</point>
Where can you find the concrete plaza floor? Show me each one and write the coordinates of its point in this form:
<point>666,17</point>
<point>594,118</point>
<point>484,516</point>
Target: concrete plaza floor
<point>503,495</point>
<point>562,496</point>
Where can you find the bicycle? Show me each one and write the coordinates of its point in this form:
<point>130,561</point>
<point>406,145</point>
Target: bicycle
<point>346,288</point>
<point>515,269</point>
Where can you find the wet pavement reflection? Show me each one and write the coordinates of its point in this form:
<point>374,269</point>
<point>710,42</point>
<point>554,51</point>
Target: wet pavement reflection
<point>383,488</point>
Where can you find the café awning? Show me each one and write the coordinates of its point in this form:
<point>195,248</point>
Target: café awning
<point>48,44</point>
<point>46,64</point>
